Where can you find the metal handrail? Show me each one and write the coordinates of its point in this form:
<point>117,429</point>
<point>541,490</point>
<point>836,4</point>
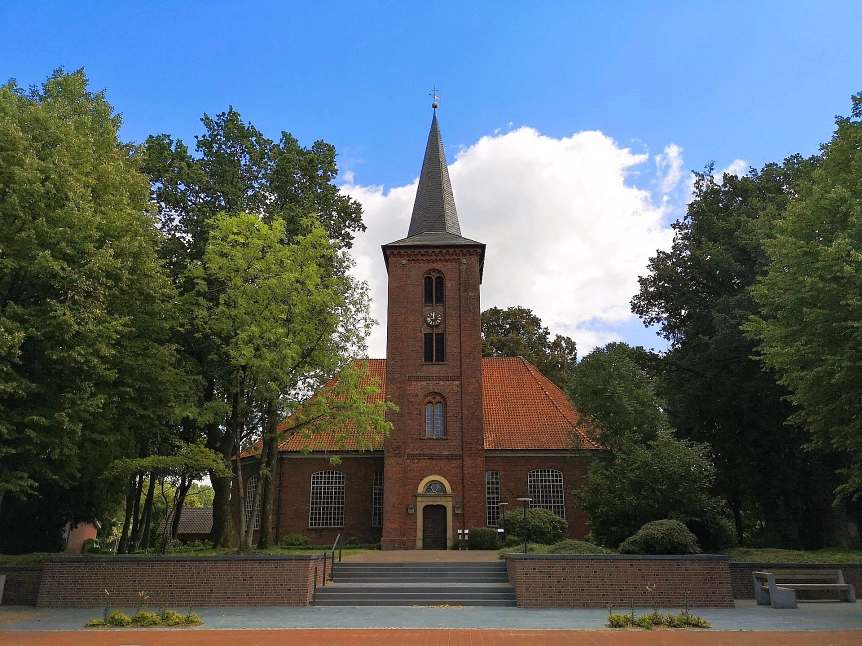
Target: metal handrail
<point>337,543</point>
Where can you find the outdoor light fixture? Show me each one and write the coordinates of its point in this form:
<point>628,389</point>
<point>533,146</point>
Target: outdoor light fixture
<point>524,500</point>
<point>411,509</point>
<point>501,527</point>
<point>458,508</point>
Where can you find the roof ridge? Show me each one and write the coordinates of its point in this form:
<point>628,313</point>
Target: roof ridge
<point>534,371</point>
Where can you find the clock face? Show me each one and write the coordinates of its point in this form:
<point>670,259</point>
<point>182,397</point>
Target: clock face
<point>434,318</point>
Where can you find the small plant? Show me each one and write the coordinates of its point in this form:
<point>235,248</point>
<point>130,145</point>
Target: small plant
<point>295,540</point>
<point>107,610</point>
<point>172,618</point>
<point>94,623</point>
<point>351,542</point>
<point>119,619</point>
<point>618,621</point>
<point>142,600</point>
<point>142,618</point>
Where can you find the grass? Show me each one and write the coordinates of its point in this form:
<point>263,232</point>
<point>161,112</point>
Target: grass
<point>772,555</point>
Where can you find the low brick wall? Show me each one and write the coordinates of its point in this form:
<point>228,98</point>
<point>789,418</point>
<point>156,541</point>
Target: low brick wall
<point>22,584</point>
<point>180,581</point>
<point>743,586</point>
<point>597,581</point>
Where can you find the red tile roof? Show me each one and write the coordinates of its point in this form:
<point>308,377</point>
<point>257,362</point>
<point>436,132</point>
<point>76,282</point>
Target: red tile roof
<point>522,408</point>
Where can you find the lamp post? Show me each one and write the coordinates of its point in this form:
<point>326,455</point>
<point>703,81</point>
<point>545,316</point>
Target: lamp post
<point>500,521</point>
<point>524,500</point>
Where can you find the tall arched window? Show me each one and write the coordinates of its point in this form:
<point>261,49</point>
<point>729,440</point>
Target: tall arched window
<point>546,490</point>
<point>250,492</point>
<point>435,418</point>
<point>327,499</point>
<point>434,288</point>
<point>434,349</point>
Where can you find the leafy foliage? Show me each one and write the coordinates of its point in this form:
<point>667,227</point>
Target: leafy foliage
<point>667,478</point>
<point>570,546</point>
<point>483,538</point>
<point>661,537</point>
<point>517,332</point>
<point>543,526</point>
<point>810,299</point>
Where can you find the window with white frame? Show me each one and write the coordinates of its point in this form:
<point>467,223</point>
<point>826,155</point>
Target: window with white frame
<point>492,497</point>
<point>327,499</point>
<point>546,489</point>
<point>250,492</point>
<point>377,500</point>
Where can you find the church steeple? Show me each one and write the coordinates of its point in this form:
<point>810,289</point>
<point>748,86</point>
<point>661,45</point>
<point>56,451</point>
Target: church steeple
<point>434,209</point>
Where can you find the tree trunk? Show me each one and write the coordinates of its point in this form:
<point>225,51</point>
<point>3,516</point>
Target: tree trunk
<point>123,547</point>
<point>136,518</point>
<point>180,500</point>
<point>265,539</point>
<point>142,540</point>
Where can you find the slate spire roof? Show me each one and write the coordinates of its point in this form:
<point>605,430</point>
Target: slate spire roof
<point>434,209</point>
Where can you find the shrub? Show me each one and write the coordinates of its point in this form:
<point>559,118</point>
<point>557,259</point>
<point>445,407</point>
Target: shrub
<point>295,540</point>
<point>483,538</point>
<point>512,540</point>
<point>661,537</point>
<point>91,546</point>
<point>172,618</point>
<point>543,526</point>
<point>569,546</point>
<point>351,542</point>
<point>118,618</point>
<point>144,618</point>
<point>714,533</point>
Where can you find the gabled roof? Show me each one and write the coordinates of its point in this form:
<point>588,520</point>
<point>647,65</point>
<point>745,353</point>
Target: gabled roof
<point>192,521</point>
<point>522,409</point>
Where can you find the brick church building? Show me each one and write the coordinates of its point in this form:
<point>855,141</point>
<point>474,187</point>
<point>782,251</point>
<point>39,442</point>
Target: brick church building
<point>470,435</point>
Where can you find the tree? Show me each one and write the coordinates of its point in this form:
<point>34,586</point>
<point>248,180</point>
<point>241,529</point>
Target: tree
<point>242,207</point>
<point>616,397</point>
<point>517,332</point>
<point>86,367</point>
<point>810,299</point>
<point>666,478</point>
<point>715,389</point>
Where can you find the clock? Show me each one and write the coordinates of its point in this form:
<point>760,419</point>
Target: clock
<point>434,318</point>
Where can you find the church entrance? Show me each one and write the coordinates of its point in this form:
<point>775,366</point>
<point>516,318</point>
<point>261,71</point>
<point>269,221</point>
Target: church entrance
<point>434,527</point>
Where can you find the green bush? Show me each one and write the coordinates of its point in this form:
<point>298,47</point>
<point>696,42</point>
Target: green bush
<point>543,526</point>
<point>172,618</point>
<point>570,546</point>
<point>512,540</point>
<point>351,542</point>
<point>483,538</point>
<point>295,540</point>
<point>118,618</point>
<point>143,618</point>
<point>661,537</point>
<point>714,533</point>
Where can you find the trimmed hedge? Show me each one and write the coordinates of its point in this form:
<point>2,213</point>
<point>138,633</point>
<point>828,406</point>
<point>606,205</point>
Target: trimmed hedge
<point>483,538</point>
<point>543,526</point>
<point>576,547</point>
<point>661,537</point>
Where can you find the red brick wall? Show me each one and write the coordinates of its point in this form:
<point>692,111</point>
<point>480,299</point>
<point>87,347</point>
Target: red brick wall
<point>180,582</point>
<point>513,469</point>
<point>22,585</point>
<point>575,581</point>
<point>743,585</point>
<point>410,457</point>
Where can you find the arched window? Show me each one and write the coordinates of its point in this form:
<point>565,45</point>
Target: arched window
<point>327,499</point>
<point>492,497</point>
<point>546,490</point>
<point>250,492</point>
<point>435,487</point>
<point>435,419</point>
<point>434,289</point>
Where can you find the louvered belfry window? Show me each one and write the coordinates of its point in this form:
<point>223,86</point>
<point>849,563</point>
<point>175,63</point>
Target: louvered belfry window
<point>546,489</point>
<point>327,499</point>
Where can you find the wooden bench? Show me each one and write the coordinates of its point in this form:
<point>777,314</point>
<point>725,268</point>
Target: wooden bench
<point>778,587</point>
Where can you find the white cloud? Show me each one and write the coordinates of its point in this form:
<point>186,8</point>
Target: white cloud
<point>737,167</point>
<point>566,235</point>
<point>669,167</point>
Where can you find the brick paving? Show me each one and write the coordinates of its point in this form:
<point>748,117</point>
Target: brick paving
<point>416,637</point>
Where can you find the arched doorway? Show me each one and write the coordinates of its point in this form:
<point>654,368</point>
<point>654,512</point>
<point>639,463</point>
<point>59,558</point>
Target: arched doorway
<point>434,530</point>
<point>434,514</point>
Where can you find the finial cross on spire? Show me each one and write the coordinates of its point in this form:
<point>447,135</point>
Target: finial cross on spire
<point>434,97</point>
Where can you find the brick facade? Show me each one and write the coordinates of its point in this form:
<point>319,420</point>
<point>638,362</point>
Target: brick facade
<point>581,581</point>
<point>180,582</point>
<point>458,457</point>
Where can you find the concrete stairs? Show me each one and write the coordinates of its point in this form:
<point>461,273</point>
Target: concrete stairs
<point>417,584</point>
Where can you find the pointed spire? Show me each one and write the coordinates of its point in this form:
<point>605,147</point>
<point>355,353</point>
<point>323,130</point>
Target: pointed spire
<point>434,209</point>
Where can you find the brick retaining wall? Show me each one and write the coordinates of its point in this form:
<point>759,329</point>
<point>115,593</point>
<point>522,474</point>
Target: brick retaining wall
<point>596,581</point>
<point>743,586</point>
<point>180,581</point>
<point>22,584</point>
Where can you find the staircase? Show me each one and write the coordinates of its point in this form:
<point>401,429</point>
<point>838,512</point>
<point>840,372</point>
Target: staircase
<point>417,584</point>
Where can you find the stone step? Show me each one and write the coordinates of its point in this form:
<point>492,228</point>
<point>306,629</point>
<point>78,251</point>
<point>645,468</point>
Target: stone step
<point>347,594</point>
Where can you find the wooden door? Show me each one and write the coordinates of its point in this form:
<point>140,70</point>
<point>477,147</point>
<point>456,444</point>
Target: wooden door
<point>434,527</point>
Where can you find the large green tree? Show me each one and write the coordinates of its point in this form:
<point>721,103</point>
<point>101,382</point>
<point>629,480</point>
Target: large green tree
<point>255,239</point>
<point>809,326</point>
<point>698,292</point>
<point>85,305</point>
<point>517,332</point>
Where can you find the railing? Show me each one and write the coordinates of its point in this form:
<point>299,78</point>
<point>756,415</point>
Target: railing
<point>338,543</point>
<point>335,545</point>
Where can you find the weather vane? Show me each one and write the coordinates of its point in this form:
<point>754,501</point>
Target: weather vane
<point>435,97</point>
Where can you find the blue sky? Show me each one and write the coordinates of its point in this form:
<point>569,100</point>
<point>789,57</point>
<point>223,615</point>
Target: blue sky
<point>664,87</point>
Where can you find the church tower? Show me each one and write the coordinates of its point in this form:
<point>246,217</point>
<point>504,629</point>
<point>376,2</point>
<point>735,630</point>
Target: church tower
<point>434,469</point>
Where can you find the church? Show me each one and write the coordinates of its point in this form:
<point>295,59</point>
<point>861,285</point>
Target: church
<point>471,435</point>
